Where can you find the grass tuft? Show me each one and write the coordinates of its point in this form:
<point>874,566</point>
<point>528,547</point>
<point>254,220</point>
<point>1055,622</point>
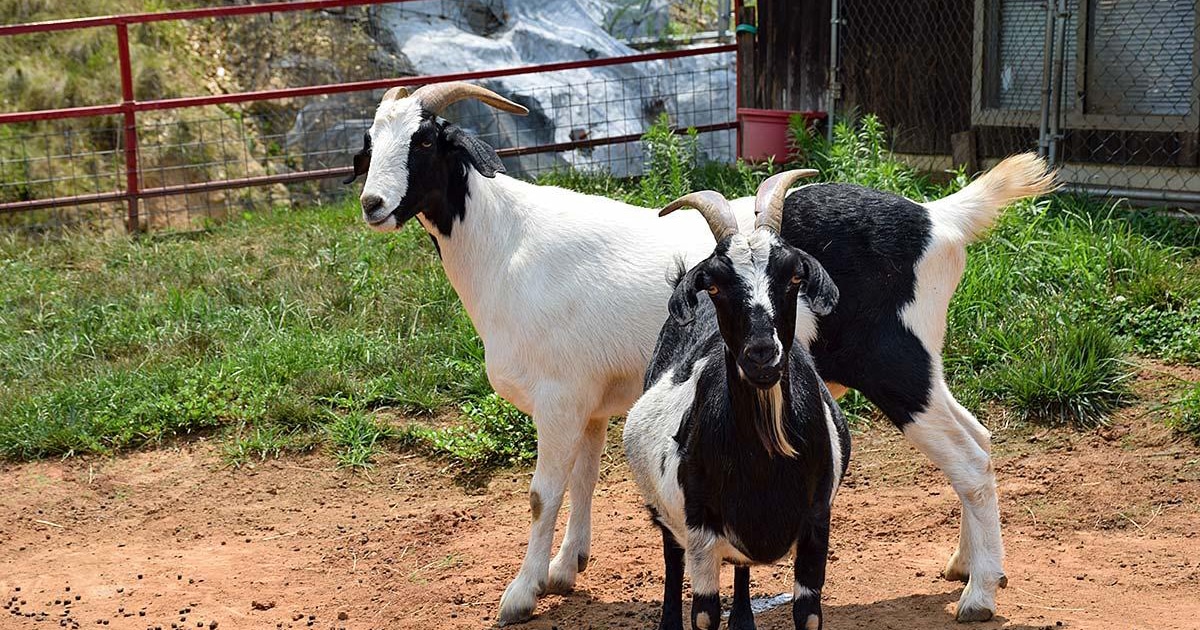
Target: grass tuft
<point>493,434</point>
<point>1185,413</point>
<point>1068,374</point>
<point>356,439</point>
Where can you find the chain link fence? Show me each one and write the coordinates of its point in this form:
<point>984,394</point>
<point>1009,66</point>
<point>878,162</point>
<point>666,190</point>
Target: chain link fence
<point>583,118</point>
<point>1106,89</point>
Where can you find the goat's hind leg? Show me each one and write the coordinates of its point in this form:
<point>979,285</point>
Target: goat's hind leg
<point>958,568</point>
<point>959,447</point>
<point>573,555</point>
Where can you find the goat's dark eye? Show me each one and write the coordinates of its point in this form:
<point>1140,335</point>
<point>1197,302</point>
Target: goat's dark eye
<point>796,279</point>
<point>426,144</point>
<point>713,290</point>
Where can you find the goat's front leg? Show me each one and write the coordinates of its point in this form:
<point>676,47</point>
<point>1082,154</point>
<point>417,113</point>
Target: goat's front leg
<point>572,557</point>
<point>558,435</point>
<point>672,608</point>
<point>812,551</point>
<point>741,617</point>
<point>704,563</point>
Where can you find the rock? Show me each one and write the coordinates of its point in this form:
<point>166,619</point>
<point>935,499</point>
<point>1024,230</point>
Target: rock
<point>452,36</point>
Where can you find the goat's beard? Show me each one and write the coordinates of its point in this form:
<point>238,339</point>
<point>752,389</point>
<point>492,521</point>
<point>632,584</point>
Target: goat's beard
<point>768,421</point>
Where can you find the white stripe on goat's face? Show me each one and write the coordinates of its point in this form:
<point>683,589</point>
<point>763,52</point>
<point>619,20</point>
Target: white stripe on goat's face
<point>751,258</point>
<point>396,121</point>
<point>750,255</point>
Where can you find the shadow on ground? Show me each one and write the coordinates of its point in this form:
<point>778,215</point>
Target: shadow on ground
<point>926,612</point>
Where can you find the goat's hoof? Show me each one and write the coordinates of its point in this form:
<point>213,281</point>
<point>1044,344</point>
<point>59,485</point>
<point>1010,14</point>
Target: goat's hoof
<point>560,585</point>
<point>741,623</point>
<point>968,614</point>
<point>508,617</point>
<point>955,570</point>
<point>976,604</point>
<point>954,575</point>
<point>517,604</point>
<point>562,577</point>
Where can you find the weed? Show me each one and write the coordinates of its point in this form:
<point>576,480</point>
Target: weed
<point>858,154</point>
<point>493,433</point>
<point>1067,373</point>
<point>671,159</point>
<point>258,443</point>
<point>356,438</point>
<point>1185,413</point>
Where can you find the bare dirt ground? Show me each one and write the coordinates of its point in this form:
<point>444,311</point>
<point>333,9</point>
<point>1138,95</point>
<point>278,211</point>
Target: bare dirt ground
<point>1101,529</point>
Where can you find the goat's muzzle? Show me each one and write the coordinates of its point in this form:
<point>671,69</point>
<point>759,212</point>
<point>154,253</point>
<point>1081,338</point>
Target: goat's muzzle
<point>374,212</point>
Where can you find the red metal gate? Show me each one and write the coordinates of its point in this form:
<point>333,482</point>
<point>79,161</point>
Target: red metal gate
<point>130,106</point>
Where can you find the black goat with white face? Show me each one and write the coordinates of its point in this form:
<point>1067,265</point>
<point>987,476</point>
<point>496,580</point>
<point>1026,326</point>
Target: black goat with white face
<point>737,444</point>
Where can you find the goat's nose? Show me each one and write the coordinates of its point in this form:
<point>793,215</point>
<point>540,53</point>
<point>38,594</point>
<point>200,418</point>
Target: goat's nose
<point>371,204</point>
<point>761,353</point>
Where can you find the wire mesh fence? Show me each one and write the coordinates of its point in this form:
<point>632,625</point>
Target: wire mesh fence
<point>1108,90</point>
<point>195,163</point>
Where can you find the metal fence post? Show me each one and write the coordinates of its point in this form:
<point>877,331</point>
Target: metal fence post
<point>1056,85</point>
<point>131,137</point>
<point>1047,73</point>
<point>835,86</point>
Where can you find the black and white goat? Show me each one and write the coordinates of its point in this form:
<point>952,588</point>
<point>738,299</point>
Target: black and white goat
<point>566,292</point>
<point>736,444</point>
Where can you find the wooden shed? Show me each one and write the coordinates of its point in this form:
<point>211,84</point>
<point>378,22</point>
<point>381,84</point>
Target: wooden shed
<point>965,81</point>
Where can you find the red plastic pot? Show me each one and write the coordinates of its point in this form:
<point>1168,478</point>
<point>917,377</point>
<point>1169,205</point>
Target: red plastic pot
<point>763,133</point>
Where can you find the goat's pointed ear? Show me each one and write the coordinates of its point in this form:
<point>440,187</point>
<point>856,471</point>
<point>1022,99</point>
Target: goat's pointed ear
<point>682,305</point>
<point>819,288</point>
<point>362,160</point>
<point>482,156</point>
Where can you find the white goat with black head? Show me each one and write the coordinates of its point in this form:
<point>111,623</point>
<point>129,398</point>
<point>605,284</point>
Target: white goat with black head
<point>566,292</point>
<point>737,445</point>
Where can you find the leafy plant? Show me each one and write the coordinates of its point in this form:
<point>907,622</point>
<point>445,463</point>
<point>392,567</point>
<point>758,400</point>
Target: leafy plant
<point>670,160</point>
<point>1185,413</point>
<point>858,154</point>
<point>493,433</point>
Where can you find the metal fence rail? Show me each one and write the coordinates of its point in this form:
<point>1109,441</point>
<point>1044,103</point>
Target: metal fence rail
<point>168,159</point>
<point>1109,91</point>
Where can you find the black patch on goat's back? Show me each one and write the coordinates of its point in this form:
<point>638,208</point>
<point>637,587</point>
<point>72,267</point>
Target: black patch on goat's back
<point>869,243</point>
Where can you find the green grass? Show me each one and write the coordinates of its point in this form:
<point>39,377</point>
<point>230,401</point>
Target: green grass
<point>1185,414</point>
<point>356,439</point>
<point>289,320</point>
<point>1056,298</point>
<point>290,331</point>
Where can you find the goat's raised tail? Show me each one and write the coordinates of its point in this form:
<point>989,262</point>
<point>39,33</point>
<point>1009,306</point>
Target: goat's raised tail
<point>969,212</point>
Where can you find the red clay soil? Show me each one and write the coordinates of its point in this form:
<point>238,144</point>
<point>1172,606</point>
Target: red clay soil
<point>1100,527</point>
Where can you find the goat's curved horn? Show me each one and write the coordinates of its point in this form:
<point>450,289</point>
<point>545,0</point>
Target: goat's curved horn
<point>395,93</point>
<point>768,201</point>
<point>713,206</point>
<point>438,96</point>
